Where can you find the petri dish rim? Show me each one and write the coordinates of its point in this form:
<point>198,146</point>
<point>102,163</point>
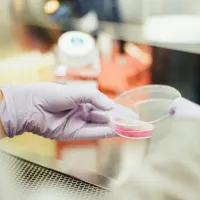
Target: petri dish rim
<point>146,87</point>
<point>153,86</point>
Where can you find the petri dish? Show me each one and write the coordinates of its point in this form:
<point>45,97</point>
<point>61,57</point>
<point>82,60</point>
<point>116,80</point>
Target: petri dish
<point>127,125</point>
<point>150,104</point>
<point>133,131</point>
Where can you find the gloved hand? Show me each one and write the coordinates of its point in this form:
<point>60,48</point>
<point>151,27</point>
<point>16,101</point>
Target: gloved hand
<point>184,108</point>
<point>55,111</point>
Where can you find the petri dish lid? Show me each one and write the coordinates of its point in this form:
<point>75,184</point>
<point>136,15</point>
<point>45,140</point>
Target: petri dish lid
<point>150,102</point>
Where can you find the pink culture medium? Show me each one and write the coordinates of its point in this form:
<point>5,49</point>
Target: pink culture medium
<point>131,133</point>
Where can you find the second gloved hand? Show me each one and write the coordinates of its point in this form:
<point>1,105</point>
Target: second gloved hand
<point>55,111</point>
<point>182,107</point>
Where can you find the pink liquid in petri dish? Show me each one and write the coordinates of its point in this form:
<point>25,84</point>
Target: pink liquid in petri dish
<point>126,132</point>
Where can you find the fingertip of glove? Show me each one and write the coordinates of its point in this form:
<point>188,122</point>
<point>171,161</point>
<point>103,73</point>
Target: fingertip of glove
<point>173,105</point>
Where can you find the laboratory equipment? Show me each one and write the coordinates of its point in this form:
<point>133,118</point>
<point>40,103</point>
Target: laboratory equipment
<point>76,49</point>
<point>33,175</point>
<point>78,55</point>
<point>150,103</point>
<point>30,179</point>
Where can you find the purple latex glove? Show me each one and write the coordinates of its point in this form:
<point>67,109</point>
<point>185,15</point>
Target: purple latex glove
<point>55,111</point>
<point>184,108</point>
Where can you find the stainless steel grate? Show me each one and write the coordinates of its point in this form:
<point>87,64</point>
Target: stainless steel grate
<point>33,179</point>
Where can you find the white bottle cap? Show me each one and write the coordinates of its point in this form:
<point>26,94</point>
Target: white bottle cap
<point>76,49</point>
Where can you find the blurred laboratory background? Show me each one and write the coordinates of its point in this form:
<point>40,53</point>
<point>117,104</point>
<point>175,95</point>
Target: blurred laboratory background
<point>111,45</point>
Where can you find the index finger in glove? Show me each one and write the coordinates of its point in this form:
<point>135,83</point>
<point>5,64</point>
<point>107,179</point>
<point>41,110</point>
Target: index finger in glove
<point>60,98</point>
<point>97,116</point>
<point>93,97</point>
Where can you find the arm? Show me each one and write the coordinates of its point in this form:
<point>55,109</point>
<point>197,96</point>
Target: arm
<point>171,167</point>
<point>2,131</point>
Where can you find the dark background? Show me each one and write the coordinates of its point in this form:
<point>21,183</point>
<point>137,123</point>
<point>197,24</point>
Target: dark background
<point>178,69</point>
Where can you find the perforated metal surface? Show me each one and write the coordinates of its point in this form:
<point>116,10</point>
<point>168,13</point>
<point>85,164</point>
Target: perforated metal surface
<point>32,179</point>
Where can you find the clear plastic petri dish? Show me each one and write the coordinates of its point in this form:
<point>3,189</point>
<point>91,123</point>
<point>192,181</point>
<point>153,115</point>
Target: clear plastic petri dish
<point>132,132</point>
<point>127,125</point>
<point>150,103</point>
